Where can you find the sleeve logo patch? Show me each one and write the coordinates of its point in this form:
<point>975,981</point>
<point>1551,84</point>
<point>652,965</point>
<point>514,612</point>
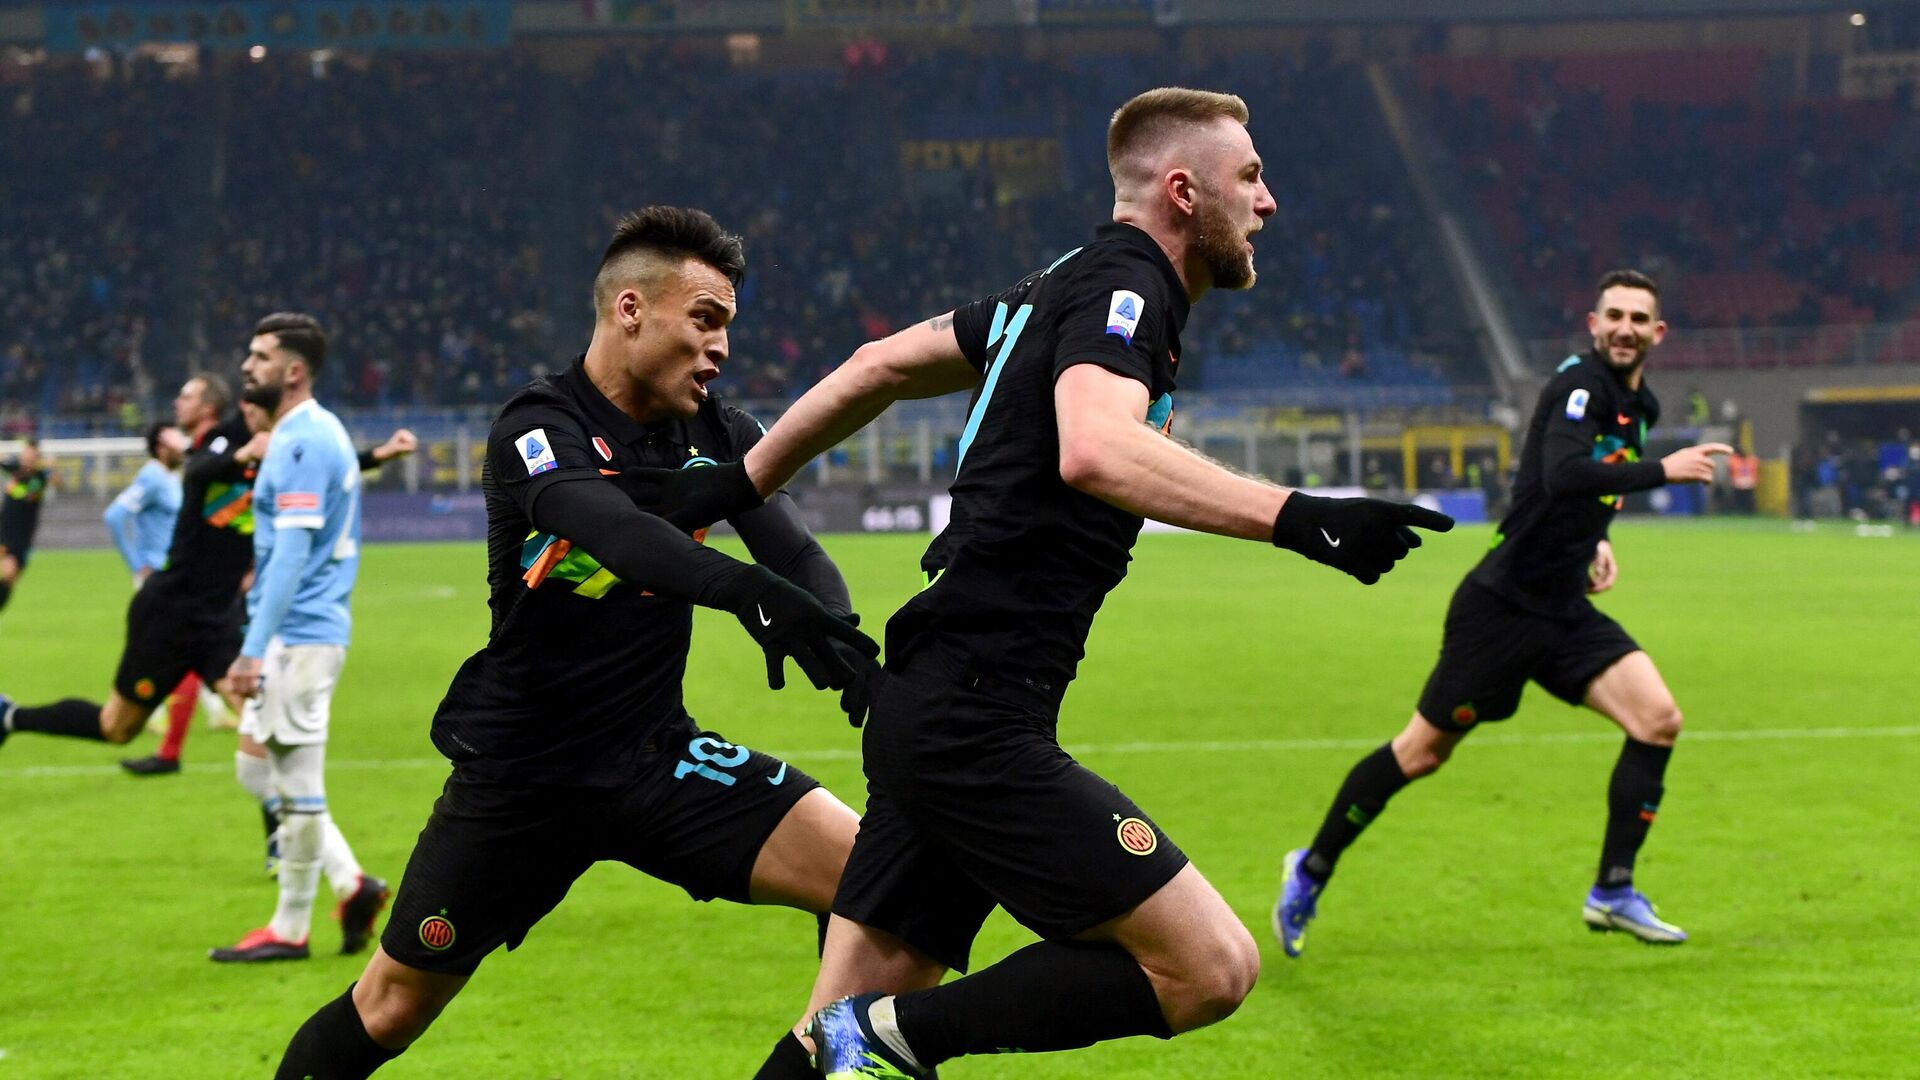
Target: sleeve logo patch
<point>536,452</point>
<point>296,500</point>
<point>1123,314</point>
<point>600,447</point>
<point>1577,405</point>
<point>218,446</point>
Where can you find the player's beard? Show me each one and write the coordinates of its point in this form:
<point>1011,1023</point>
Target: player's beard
<point>1625,370</point>
<point>267,397</point>
<point>1222,246</point>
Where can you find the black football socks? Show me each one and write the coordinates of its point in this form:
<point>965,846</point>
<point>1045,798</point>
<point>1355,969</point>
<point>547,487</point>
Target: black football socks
<point>333,1045</point>
<point>1633,798</point>
<point>1048,996</point>
<point>1363,795</point>
<point>789,1061</point>
<point>70,717</point>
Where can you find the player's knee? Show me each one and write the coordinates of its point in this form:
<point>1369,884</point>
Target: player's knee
<point>395,1013</point>
<point>1418,759</point>
<point>1218,978</point>
<point>1661,726</point>
<point>117,729</point>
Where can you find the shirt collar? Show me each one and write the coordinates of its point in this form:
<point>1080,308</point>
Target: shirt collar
<point>1137,237</point>
<point>603,413</point>
<point>310,403</point>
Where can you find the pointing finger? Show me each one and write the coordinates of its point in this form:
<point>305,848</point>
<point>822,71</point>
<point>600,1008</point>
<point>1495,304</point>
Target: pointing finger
<point>1421,517</point>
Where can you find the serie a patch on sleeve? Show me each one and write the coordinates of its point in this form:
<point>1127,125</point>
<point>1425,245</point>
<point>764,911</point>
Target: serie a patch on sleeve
<point>1123,314</point>
<point>536,451</point>
<point>1577,404</point>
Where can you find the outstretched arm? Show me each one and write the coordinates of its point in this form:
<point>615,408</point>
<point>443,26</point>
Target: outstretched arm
<point>780,541</point>
<point>921,361</point>
<point>1108,451</point>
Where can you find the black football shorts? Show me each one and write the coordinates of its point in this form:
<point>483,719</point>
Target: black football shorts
<point>496,857</point>
<point>972,804</point>
<point>1492,648</point>
<point>166,640</point>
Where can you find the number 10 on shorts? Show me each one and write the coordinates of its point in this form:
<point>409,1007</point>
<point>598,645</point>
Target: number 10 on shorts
<point>709,757</point>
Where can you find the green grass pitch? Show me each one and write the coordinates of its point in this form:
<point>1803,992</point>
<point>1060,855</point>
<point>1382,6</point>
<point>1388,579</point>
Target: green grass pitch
<point>1229,688</point>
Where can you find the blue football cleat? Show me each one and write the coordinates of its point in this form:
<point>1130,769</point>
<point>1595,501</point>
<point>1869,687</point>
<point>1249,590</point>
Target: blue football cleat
<point>1629,909</point>
<point>1299,899</point>
<point>846,1047</point>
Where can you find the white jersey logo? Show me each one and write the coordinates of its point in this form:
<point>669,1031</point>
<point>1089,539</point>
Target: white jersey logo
<point>1123,314</point>
<point>536,451</point>
<point>1577,404</point>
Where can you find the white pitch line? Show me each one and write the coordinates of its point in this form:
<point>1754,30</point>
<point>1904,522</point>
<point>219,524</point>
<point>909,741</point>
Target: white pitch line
<point>1194,746</point>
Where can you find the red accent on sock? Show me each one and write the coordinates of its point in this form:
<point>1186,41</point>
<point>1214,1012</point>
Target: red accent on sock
<point>179,717</point>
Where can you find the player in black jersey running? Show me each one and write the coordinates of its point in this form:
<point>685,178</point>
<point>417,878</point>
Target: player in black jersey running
<point>1523,614</point>
<point>568,737</point>
<point>20,499</point>
<point>187,616</point>
<point>972,802</point>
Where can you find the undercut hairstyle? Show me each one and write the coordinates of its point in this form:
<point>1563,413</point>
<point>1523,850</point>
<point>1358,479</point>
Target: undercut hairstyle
<point>1146,120</point>
<point>1632,279</point>
<point>153,437</point>
<point>659,233</point>
<point>300,334</point>
<point>215,392</point>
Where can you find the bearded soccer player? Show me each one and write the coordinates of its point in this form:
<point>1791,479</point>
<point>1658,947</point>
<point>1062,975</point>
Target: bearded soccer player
<point>1523,614</point>
<point>20,500</point>
<point>187,616</point>
<point>972,802</point>
<point>569,740</point>
<point>306,543</point>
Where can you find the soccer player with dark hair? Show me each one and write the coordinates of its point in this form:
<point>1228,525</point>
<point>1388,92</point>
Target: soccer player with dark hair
<point>569,740</point>
<point>972,802</point>
<point>27,480</point>
<point>306,543</point>
<point>1523,614</point>
<point>187,616</point>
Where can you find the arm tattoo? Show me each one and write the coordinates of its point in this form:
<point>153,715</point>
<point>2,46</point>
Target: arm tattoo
<point>940,322</point>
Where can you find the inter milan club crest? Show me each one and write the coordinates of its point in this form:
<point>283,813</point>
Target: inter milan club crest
<point>600,445</point>
<point>436,932</point>
<point>1138,837</point>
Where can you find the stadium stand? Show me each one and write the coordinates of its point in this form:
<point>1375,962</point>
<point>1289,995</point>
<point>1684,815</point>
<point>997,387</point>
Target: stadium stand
<point>1759,212</point>
<point>427,236</point>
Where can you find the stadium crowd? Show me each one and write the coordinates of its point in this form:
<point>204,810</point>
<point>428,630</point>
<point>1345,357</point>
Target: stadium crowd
<point>426,236</point>
<point>1754,210</point>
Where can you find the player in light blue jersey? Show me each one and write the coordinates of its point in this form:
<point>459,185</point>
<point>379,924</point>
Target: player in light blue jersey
<point>306,544</point>
<point>140,519</point>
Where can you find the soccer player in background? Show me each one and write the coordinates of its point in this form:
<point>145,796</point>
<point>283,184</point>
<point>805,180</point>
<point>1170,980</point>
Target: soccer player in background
<point>140,522</point>
<point>972,802</point>
<point>306,542</point>
<point>140,519</point>
<point>1523,614</point>
<point>187,617</point>
<point>569,739</point>
<point>27,480</point>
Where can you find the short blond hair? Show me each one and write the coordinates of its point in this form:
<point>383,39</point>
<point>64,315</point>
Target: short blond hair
<point>1147,118</point>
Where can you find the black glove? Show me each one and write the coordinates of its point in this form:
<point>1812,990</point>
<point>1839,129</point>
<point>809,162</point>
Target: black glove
<point>1362,537</point>
<point>787,621</point>
<point>691,498</point>
<point>857,699</point>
